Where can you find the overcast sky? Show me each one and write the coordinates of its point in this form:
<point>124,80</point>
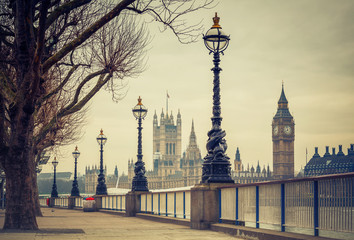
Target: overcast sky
<point>308,44</point>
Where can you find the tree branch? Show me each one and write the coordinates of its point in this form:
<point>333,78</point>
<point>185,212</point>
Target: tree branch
<point>75,106</point>
<point>86,34</point>
<point>61,85</point>
<point>63,9</point>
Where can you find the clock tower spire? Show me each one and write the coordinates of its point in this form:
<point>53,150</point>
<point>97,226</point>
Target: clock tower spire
<point>283,135</point>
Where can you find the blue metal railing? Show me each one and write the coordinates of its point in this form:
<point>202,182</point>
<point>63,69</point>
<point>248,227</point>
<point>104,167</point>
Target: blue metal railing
<point>170,204</point>
<point>323,204</point>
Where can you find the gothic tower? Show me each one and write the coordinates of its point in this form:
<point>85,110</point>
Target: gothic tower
<point>167,141</point>
<point>191,163</point>
<point>283,134</point>
<point>237,162</point>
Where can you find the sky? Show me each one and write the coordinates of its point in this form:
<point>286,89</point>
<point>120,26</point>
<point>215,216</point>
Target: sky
<point>307,44</point>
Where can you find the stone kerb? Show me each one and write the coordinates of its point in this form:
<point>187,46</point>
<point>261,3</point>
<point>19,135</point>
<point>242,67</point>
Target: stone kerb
<point>205,205</point>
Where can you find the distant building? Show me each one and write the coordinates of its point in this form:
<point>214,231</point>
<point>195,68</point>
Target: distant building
<point>58,175</point>
<point>240,174</point>
<point>330,163</point>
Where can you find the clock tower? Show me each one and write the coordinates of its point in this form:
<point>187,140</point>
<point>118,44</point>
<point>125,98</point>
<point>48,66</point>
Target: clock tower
<point>283,134</point>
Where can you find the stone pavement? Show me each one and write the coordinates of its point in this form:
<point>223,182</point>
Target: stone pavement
<point>72,224</point>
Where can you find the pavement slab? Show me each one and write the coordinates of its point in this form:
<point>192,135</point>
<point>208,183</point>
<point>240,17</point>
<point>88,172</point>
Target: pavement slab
<point>73,224</point>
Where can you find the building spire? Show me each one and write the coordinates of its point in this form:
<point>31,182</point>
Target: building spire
<point>283,110</point>
<point>192,136</point>
<point>282,98</point>
<point>238,156</point>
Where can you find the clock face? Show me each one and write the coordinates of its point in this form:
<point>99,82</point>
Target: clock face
<point>275,130</point>
<point>287,130</point>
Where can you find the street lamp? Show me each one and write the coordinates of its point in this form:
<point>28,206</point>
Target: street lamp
<point>139,180</point>
<point>101,188</point>
<point>75,192</point>
<point>216,166</point>
<point>54,193</point>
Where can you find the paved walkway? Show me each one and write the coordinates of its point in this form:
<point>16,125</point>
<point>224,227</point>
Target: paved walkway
<point>71,224</point>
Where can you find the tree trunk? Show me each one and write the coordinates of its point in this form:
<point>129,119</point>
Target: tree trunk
<point>37,206</point>
<point>20,205</point>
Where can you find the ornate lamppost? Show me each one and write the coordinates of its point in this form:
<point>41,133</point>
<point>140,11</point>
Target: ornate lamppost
<point>101,188</point>
<point>54,193</point>
<point>139,180</point>
<point>75,192</point>
<point>216,166</point>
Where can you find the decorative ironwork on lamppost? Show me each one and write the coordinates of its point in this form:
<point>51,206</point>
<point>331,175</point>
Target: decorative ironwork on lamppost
<point>101,188</point>
<point>54,193</point>
<point>75,192</point>
<point>216,166</point>
<point>139,180</point>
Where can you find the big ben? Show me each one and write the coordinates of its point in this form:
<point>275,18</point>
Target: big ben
<point>283,134</point>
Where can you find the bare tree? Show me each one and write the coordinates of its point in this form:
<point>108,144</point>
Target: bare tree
<point>55,55</point>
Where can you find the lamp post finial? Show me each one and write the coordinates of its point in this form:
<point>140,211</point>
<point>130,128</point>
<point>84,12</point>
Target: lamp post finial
<point>216,20</point>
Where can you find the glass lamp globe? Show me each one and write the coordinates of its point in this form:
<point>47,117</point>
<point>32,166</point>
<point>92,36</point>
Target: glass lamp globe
<point>76,153</point>
<point>101,139</point>
<point>215,39</point>
<point>55,162</point>
<point>139,111</point>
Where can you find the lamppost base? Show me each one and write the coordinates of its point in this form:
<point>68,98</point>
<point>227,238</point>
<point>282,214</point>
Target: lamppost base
<point>140,183</point>
<point>101,189</point>
<point>54,193</point>
<point>217,172</point>
<point>75,192</point>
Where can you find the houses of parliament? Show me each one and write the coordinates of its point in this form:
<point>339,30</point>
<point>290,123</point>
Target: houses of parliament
<point>172,168</point>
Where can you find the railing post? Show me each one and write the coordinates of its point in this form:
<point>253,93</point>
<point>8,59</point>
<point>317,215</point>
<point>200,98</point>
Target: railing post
<point>257,206</point>
<point>184,204</point>
<point>166,206</point>
<point>132,204</point>
<point>237,223</point>
<point>121,203</point>
<point>146,203</point>
<point>282,206</point>
<point>219,195</point>
<point>315,207</point>
<point>174,207</point>
<point>205,205</point>
<point>158,205</point>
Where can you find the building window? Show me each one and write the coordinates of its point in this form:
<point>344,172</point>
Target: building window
<point>166,148</point>
<point>174,149</point>
<point>170,148</point>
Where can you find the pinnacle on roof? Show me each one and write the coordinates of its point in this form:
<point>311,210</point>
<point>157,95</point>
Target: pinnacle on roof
<point>283,110</point>
<point>282,98</point>
<point>192,137</point>
<point>237,157</point>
